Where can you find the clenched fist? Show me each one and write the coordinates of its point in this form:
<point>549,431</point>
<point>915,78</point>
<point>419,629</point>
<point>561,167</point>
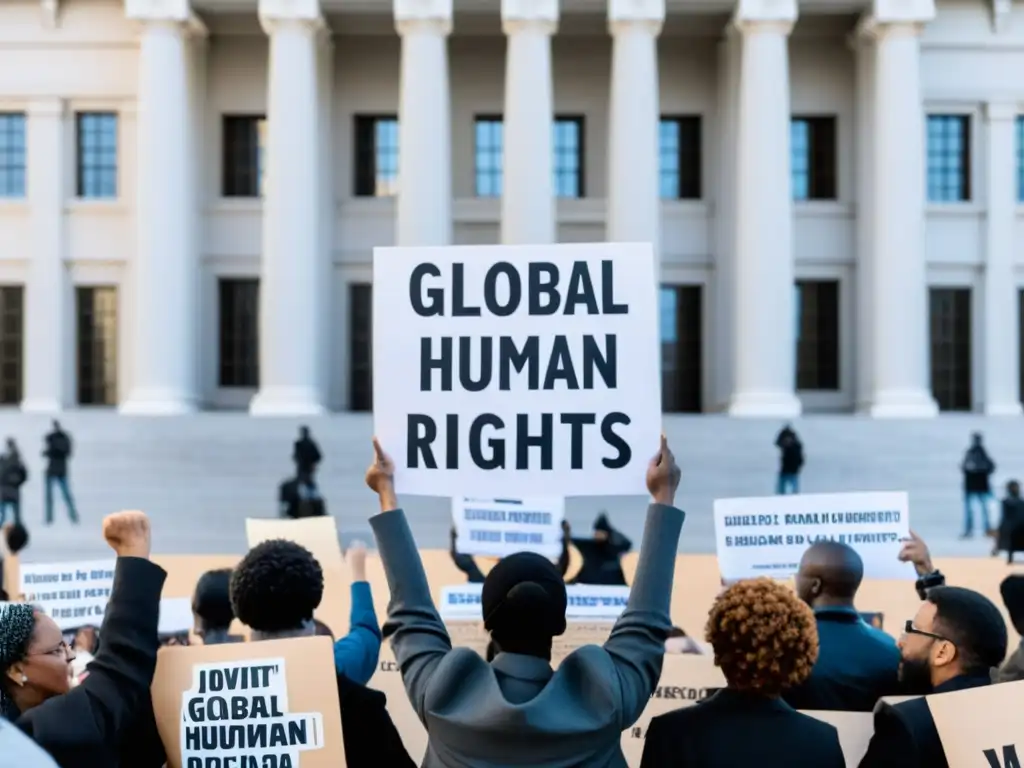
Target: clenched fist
<point>356,557</point>
<point>127,533</point>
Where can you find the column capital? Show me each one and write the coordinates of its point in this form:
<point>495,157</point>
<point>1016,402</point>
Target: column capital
<point>47,106</point>
<point>165,12</point>
<point>765,14</point>
<point>628,14</point>
<point>427,15</point>
<point>519,14</point>
<point>304,12</point>
<point>895,17</point>
<point>1001,111</point>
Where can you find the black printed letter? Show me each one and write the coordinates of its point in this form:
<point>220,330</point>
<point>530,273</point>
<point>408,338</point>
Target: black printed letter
<point>443,363</point>
<point>540,287</point>
<point>606,364</point>
<point>580,290</point>
<point>497,445</point>
<point>459,308</point>
<point>434,295</point>
<point>577,421</point>
<point>515,289</point>
<point>529,358</point>
<point>417,442</point>
<point>466,357</point>
<point>625,454</point>
<point>608,305</point>
<point>524,441</point>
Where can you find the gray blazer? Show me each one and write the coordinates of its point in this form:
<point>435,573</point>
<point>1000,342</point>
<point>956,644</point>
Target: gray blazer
<point>516,710</point>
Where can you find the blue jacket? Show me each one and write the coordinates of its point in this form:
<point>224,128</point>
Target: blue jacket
<point>356,654</point>
<point>857,665</point>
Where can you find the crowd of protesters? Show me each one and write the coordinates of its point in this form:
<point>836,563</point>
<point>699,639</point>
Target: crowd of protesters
<point>780,651</point>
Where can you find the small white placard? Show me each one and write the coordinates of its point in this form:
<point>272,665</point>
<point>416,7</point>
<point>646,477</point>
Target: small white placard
<point>768,536</point>
<point>72,594</point>
<point>500,527</point>
<point>586,602</point>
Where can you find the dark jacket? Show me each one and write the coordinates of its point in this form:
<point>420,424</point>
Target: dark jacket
<point>84,727</point>
<point>306,455</point>
<point>857,665</point>
<point>601,560</point>
<point>371,739</point>
<point>733,728</point>
<point>905,733</point>
<point>13,475</point>
<point>977,467</point>
<point>57,453</point>
<point>791,460</point>
<point>1011,526</point>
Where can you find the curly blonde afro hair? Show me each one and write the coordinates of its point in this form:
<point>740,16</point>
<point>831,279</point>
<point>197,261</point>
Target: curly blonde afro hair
<point>764,637</point>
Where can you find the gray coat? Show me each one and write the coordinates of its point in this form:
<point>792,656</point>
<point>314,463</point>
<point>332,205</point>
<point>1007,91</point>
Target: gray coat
<point>517,710</point>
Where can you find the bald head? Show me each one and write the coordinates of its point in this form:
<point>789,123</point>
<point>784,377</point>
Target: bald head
<point>829,571</point>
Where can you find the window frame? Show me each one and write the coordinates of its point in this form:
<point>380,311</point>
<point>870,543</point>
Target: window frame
<point>106,164</point>
<point>366,181</point>
<point>234,370</point>
<point>498,173</point>
<point>819,368</point>
<point>106,387</point>
<point>580,121</point>
<point>966,158</point>
<point>13,167</point>
<point>822,144</point>
<point>236,182</point>
<point>689,186</point>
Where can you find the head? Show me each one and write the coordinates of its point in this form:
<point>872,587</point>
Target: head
<point>764,637</point>
<point>830,574</point>
<point>956,632</point>
<point>211,603</point>
<point>17,538</point>
<point>524,604</point>
<point>976,439</point>
<point>56,426</point>
<point>303,432</point>
<point>1012,590</point>
<point>1013,489</point>
<point>321,629</point>
<point>276,588</point>
<point>12,447</point>
<point>35,662</point>
<point>602,527</point>
<point>85,639</point>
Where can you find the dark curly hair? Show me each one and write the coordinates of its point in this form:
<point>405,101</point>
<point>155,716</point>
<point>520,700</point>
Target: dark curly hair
<point>277,586</point>
<point>17,624</point>
<point>211,600</point>
<point>764,637</point>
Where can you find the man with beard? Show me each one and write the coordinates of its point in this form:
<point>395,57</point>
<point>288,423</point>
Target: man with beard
<point>953,643</point>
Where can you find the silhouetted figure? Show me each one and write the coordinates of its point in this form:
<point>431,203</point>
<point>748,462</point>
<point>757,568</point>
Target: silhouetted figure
<point>977,468</point>
<point>1011,526</point>
<point>791,461</point>
<point>601,554</point>
<point>13,475</point>
<point>306,455</point>
<point>212,612</point>
<point>57,452</point>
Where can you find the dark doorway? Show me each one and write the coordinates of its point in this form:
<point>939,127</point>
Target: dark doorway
<point>950,312</point>
<point>96,337</point>
<point>239,324</point>
<point>682,329</point>
<point>12,343</point>
<point>360,360</point>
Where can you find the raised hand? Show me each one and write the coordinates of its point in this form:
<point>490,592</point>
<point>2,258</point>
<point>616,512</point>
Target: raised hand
<point>915,551</point>
<point>380,477</point>
<point>127,533</point>
<point>356,557</point>
<point>663,475</point>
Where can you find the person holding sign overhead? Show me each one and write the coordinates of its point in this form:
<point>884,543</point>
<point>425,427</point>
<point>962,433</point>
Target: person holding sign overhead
<point>517,710</point>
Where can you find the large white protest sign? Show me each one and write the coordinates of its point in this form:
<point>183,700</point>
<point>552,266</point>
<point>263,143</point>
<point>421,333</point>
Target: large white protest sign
<point>586,602</point>
<point>499,527</point>
<point>72,594</point>
<point>517,370</point>
<point>239,709</point>
<point>768,536</point>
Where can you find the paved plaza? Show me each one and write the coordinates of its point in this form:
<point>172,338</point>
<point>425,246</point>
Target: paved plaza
<point>200,476</point>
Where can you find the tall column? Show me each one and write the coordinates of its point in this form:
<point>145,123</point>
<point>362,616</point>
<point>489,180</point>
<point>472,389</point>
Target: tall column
<point>895,203</point>
<point>765,345</point>
<point>164,379</point>
<point>291,381</point>
<point>424,124</point>
<point>864,51</point>
<point>528,197</point>
<point>634,202</point>
<point>48,295</point>
<point>1000,347</point>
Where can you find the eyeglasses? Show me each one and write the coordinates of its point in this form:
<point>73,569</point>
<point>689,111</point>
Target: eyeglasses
<point>910,629</point>
<point>62,650</point>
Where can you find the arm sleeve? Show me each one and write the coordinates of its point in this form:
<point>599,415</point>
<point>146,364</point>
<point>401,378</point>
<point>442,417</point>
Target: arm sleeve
<point>891,745</point>
<point>357,653</point>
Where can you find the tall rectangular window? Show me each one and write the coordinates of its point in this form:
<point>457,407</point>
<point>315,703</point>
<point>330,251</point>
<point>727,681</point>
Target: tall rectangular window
<point>817,343</point>
<point>1019,130</point>
<point>239,310</point>
<point>569,156</point>
<point>489,145</point>
<point>949,158</point>
<point>96,139</point>
<point>12,343</point>
<point>681,311</point>
<point>244,138</point>
<point>950,320</point>
<point>12,154</point>
<point>813,158</point>
<point>96,337</point>
<point>360,364</point>
<point>679,150</point>
<point>376,161</point>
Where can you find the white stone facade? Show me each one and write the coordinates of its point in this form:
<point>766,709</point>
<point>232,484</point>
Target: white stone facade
<point>171,71</point>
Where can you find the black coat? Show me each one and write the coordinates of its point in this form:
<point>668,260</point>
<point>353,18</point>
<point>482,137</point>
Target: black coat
<point>977,467</point>
<point>732,728</point>
<point>371,739</point>
<point>602,562</point>
<point>84,727</point>
<point>905,733</point>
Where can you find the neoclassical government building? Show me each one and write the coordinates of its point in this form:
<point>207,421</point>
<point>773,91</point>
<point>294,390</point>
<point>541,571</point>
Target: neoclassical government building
<point>190,194</point>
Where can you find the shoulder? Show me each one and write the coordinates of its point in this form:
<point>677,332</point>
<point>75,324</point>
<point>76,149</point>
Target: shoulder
<point>670,721</point>
<point>815,728</point>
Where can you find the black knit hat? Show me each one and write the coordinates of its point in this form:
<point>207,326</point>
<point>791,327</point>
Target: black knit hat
<point>524,604</point>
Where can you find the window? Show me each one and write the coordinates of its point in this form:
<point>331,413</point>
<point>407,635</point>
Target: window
<point>489,138</point>
<point>96,326</point>
<point>812,146</point>
<point>12,154</point>
<point>950,315</point>
<point>1020,158</point>
<point>239,308</point>
<point>96,134</point>
<point>949,158</point>
<point>679,146</point>
<point>243,164</point>
<point>12,336</point>
<point>568,147</point>
<point>681,348</point>
<point>817,340</point>
<point>376,156</point>
<point>360,324</point>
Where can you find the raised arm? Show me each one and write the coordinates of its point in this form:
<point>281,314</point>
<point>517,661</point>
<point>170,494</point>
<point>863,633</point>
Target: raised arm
<point>357,653</point>
<point>418,636</point>
<point>637,642</point>
<point>464,563</point>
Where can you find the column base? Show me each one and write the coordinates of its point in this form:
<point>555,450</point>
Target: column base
<point>157,402</point>
<point>287,401</point>
<point>41,405</point>
<point>776,405</point>
<point>903,404</point>
<point>1003,409</point>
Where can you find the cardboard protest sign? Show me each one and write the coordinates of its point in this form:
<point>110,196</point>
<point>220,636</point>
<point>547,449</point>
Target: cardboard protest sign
<point>500,527</point>
<point>767,536</point>
<point>855,731</point>
<point>271,704</point>
<point>317,534</point>
<point>517,370</point>
<point>981,726</point>
<point>72,594</point>
<point>585,602</point>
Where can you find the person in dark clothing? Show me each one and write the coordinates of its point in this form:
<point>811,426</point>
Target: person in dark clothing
<point>467,564</point>
<point>977,468</point>
<point>1010,538</point>
<point>954,642</point>
<point>295,502</point>
<point>275,590</point>
<point>857,664</point>
<point>601,554</point>
<point>1012,590</point>
<point>84,727</point>
<point>306,455</point>
<point>57,452</point>
<point>211,608</point>
<point>13,475</point>
<point>791,461</point>
<point>762,653</point>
